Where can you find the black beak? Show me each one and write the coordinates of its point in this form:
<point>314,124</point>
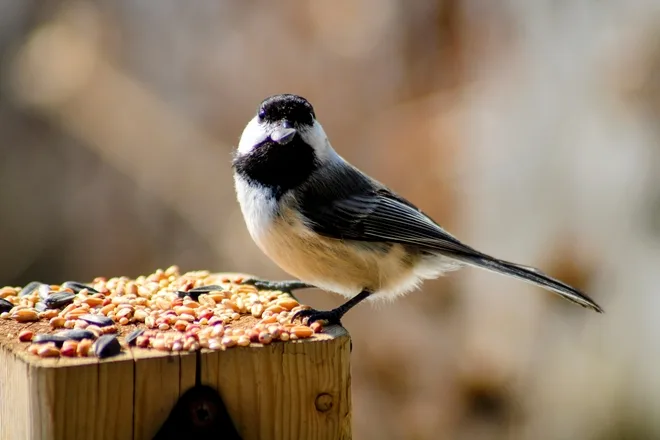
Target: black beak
<point>283,133</point>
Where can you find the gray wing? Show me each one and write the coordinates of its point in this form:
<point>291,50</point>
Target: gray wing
<point>350,206</point>
<point>355,207</point>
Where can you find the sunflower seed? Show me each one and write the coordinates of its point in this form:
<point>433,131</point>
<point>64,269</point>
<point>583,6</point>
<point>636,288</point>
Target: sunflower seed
<point>194,293</point>
<point>29,288</point>
<point>77,286</point>
<point>41,307</point>
<point>66,335</point>
<point>100,320</point>
<point>59,300</point>
<point>5,305</point>
<point>130,339</point>
<point>44,290</point>
<point>45,338</point>
<point>106,346</point>
<point>77,334</point>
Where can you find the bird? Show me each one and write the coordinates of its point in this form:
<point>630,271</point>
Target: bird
<point>331,226</point>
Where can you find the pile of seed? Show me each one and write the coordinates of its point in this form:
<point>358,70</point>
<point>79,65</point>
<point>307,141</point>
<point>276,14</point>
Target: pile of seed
<point>170,312</point>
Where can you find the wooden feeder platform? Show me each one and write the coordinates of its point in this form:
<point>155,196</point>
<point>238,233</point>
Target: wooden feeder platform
<point>281,391</point>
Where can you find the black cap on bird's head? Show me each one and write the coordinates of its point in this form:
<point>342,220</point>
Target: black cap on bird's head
<point>289,112</point>
<point>282,145</point>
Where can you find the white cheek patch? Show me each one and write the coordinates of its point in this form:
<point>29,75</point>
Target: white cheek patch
<point>316,137</point>
<point>253,134</point>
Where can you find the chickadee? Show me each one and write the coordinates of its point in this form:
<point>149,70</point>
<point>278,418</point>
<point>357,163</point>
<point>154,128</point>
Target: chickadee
<point>333,227</point>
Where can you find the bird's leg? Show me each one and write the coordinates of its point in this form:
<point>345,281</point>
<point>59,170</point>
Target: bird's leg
<point>284,286</point>
<point>332,316</point>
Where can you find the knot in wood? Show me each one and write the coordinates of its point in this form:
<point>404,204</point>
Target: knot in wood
<point>323,402</point>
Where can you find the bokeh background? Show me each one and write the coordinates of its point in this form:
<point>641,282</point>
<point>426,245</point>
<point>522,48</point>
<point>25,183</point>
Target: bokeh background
<point>527,129</point>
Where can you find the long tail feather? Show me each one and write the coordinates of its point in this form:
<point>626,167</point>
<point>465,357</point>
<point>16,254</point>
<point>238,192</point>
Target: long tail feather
<point>530,275</point>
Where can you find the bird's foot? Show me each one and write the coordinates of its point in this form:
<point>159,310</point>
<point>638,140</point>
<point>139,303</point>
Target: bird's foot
<point>330,317</point>
<point>195,292</point>
<point>284,286</point>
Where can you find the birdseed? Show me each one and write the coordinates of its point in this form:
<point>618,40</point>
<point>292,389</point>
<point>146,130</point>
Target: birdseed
<point>165,310</point>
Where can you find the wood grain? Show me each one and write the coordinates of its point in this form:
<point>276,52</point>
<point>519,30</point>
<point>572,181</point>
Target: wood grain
<point>271,391</point>
<point>157,389</point>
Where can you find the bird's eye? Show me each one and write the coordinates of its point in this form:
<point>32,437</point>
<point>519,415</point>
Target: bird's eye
<point>261,114</point>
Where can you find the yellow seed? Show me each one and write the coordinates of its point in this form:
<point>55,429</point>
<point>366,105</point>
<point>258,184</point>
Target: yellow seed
<point>302,331</point>
<point>47,350</point>
<point>186,317</point>
<point>163,304</point>
<point>181,310</point>
<point>206,300</point>
<point>67,309</point>
<point>230,304</point>
<point>269,320</point>
<point>158,344</point>
<point>140,315</point>
<point>228,341</point>
<point>7,291</point>
<point>218,296</point>
<point>287,303</point>
<point>108,308</point>
<point>275,309</point>
<point>57,322</point>
<point>25,315</point>
<point>241,305</point>
<point>257,310</point>
<point>124,313</point>
<point>243,341</point>
<point>76,313</point>
<point>181,325</point>
<point>246,289</point>
<point>48,314</point>
<point>83,347</point>
<point>172,270</point>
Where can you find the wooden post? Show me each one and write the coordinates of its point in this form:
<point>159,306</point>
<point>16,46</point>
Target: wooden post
<point>282,391</point>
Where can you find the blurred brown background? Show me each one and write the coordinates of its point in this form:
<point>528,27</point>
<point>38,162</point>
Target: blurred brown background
<point>528,129</point>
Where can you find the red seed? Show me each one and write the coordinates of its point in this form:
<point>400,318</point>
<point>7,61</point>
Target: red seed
<point>25,336</point>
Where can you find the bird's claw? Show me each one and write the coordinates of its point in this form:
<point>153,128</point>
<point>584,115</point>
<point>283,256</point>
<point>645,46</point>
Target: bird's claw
<point>284,286</point>
<point>259,284</point>
<point>331,317</point>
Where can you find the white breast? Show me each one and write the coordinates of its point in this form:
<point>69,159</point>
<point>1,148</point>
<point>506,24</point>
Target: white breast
<point>258,209</point>
<point>334,265</point>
